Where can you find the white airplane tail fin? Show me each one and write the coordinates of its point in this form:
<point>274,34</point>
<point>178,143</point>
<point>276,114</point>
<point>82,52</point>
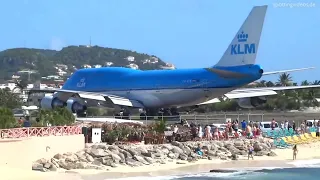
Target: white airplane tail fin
<point>244,46</point>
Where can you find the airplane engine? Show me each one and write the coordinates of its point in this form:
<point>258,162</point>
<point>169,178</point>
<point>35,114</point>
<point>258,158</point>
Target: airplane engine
<point>50,102</point>
<point>75,106</point>
<point>251,102</point>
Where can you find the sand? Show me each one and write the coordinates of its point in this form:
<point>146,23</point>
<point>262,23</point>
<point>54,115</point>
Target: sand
<point>306,151</point>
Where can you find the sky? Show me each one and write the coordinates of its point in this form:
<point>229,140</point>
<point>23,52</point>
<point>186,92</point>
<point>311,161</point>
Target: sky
<point>187,33</point>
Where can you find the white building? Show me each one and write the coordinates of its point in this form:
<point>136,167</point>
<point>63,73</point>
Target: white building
<point>130,58</point>
<point>133,66</point>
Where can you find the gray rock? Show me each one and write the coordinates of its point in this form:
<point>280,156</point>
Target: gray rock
<point>97,152</point>
<point>183,156</point>
<point>271,153</point>
<point>177,150</point>
<point>133,152</point>
<point>172,156</point>
<point>38,167</point>
<point>59,156</point>
<point>132,162</point>
<point>141,159</point>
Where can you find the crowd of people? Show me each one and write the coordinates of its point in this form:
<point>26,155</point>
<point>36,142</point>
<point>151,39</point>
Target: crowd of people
<point>245,128</point>
<point>214,132</point>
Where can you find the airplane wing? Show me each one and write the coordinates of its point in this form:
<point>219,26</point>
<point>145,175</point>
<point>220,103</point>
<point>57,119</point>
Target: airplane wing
<point>256,92</point>
<point>95,96</point>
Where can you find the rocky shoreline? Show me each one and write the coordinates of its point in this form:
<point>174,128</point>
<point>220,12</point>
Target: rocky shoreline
<point>104,157</point>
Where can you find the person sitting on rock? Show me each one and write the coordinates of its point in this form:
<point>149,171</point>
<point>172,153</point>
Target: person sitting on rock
<point>198,150</point>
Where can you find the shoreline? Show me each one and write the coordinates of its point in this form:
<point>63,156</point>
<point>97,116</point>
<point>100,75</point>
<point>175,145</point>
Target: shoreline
<point>201,166</point>
<point>282,159</point>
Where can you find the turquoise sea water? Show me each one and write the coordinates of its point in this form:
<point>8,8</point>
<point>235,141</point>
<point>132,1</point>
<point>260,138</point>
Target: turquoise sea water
<point>308,170</point>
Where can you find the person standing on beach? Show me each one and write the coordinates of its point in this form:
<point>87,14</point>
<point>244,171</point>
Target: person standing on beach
<point>250,152</point>
<point>273,124</point>
<point>295,152</point>
<point>243,125</point>
<point>318,129</point>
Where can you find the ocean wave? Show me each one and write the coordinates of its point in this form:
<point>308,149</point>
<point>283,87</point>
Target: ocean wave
<point>314,163</point>
<point>238,174</point>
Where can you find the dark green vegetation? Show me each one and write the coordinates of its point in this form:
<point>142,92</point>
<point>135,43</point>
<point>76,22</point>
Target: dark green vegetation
<point>56,117</point>
<point>43,61</point>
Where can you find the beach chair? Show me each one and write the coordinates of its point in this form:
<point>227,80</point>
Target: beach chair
<point>280,143</point>
<point>304,138</point>
<point>288,140</point>
<point>284,144</point>
<point>291,132</point>
<point>299,140</point>
<point>313,134</point>
<point>295,140</point>
<point>313,139</point>
<point>312,129</point>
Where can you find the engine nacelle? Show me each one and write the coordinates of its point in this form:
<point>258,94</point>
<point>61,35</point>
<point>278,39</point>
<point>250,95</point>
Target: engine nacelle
<point>251,102</point>
<point>75,106</point>
<point>51,102</point>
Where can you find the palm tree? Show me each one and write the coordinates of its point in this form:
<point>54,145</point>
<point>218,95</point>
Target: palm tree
<point>262,83</point>
<point>304,83</point>
<point>270,84</point>
<point>285,79</point>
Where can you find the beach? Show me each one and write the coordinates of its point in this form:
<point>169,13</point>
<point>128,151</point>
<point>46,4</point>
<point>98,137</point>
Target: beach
<point>283,158</point>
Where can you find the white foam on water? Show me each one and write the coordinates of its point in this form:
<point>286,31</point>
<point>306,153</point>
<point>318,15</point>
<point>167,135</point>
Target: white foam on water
<point>306,163</point>
<point>209,174</point>
<point>238,175</point>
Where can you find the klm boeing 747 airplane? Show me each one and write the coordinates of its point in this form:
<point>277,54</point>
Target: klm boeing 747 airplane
<point>155,89</point>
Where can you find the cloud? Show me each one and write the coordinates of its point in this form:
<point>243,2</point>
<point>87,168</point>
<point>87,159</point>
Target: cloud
<point>56,43</point>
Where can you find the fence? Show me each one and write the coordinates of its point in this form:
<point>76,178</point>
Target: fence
<point>40,131</point>
<point>298,117</point>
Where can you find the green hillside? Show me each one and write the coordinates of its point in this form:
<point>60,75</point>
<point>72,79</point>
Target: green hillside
<point>44,62</point>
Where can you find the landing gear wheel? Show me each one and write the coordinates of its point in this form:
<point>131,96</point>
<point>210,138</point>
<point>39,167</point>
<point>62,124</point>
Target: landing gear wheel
<point>149,114</point>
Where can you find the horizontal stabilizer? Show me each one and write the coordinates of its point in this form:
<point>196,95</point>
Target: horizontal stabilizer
<point>285,71</point>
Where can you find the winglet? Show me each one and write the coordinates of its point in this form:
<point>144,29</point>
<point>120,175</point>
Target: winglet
<point>285,71</point>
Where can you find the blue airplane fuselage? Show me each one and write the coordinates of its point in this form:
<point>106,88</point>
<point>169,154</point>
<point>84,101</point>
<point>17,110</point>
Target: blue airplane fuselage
<point>162,88</point>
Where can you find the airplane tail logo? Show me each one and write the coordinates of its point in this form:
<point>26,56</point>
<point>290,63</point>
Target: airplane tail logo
<point>244,46</point>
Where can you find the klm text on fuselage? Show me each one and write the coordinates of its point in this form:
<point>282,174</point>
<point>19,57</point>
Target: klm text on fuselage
<point>243,49</point>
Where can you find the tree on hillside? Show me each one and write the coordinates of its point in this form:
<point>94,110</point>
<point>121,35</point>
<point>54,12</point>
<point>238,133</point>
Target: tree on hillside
<point>7,119</point>
<point>8,99</point>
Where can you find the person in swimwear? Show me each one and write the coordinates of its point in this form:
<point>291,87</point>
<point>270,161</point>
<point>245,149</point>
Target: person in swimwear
<point>295,152</point>
<point>199,150</point>
<point>250,152</point>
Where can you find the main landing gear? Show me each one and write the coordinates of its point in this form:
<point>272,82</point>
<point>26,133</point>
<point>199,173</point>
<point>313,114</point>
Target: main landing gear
<point>161,113</point>
<point>124,113</point>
